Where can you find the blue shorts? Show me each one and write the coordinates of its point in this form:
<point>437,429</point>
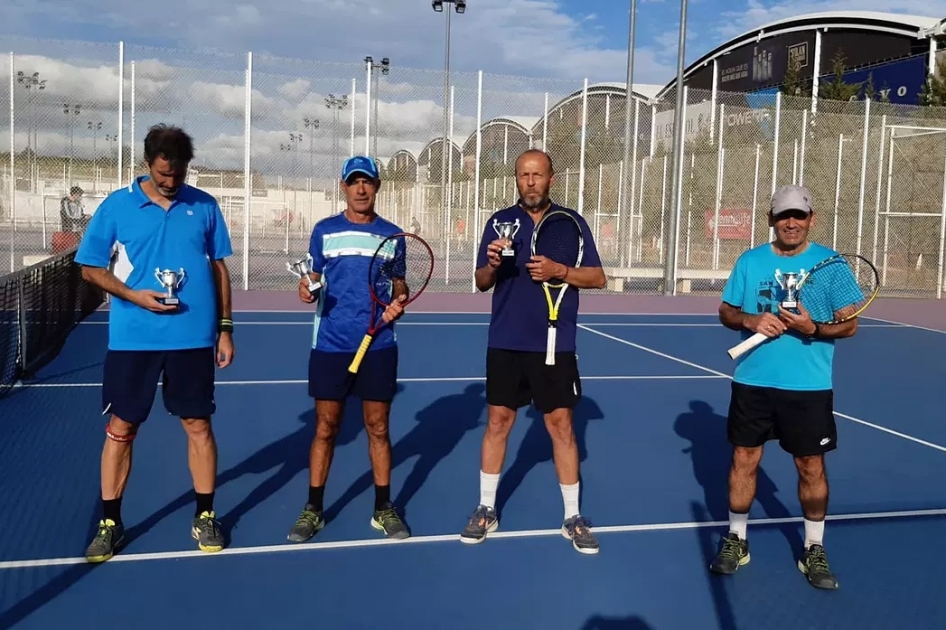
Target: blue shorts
<point>376,380</point>
<point>131,377</point>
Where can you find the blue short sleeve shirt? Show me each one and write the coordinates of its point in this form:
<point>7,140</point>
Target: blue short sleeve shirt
<point>519,309</point>
<point>341,252</point>
<point>189,235</point>
<point>789,361</point>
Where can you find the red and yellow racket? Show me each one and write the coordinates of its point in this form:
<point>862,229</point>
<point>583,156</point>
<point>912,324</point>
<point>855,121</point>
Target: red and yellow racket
<point>401,266</point>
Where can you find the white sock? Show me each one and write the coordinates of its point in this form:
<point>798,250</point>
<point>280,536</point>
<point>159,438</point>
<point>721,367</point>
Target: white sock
<point>488,485</point>
<point>739,523</point>
<point>814,533</point>
<point>570,496</point>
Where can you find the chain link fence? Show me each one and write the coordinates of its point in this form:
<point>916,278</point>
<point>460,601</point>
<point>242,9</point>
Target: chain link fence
<point>271,135</point>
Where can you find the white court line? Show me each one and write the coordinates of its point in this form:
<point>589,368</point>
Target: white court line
<point>622,324</point>
<point>437,379</point>
<point>453,538</point>
<point>905,325</point>
<point>712,371</point>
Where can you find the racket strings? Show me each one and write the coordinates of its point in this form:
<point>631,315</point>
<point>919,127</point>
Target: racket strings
<point>559,239</point>
<point>400,258</point>
<point>838,289</point>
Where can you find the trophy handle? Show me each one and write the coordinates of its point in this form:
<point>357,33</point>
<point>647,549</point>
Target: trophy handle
<point>157,275</point>
<point>181,279</point>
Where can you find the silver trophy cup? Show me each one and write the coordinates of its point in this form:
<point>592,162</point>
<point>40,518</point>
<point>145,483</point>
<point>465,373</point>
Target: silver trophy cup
<point>789,283</point>
<point>506,230</point>
<point>301,269</point>
<point>170,281</point>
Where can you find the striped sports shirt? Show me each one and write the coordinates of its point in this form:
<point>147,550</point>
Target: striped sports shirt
<point>341,252</point>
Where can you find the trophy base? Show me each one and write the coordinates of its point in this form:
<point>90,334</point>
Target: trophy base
<point>169,301</point>
<point>508,253</point>
<point>315,286</point>
<point>789,304</point>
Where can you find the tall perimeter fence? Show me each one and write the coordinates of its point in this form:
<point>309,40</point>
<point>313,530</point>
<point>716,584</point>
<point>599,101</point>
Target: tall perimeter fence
<point>271,135</point>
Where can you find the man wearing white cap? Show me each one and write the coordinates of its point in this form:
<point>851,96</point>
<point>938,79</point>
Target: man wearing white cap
<point>781,390</point>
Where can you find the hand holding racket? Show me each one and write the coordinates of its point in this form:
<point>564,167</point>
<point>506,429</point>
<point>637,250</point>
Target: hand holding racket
<point>836,290</point>
<point>398,273</point>
<point>556,240</point>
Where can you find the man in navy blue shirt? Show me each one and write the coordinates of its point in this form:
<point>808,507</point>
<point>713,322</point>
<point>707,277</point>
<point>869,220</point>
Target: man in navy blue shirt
<point>516,373</point>
<point>158,222</point>
<point>342,246</point>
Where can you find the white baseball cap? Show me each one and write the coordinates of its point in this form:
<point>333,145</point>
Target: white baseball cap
<point>791,197</point>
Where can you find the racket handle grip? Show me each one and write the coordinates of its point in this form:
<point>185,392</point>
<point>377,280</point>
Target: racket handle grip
<point>356,362</point>
<point>550,347</point>
<point>748,344</point>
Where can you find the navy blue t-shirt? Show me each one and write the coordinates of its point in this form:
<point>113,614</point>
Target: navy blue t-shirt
<point>520,312</point>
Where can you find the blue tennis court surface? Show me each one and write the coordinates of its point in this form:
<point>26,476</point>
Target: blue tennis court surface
<point>652,438</point>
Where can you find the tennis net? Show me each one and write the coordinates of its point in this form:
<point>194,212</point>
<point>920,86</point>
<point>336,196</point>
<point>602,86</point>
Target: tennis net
<point>41,305</point>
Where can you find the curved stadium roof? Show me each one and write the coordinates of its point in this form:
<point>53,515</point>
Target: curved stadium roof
<point>896,23</point>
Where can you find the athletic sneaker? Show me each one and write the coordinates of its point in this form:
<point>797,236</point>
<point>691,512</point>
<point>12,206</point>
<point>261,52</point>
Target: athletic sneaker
<point>814,564</point>
<point>733,553</point>
<point>206,531</point>
<point>107,540</point>
<point>483,521</point>
<point>307,525</point>
<point>578,530</point>
<point>387,521</point>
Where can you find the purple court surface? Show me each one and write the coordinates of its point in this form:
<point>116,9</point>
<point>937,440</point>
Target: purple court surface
<point>652,440</point>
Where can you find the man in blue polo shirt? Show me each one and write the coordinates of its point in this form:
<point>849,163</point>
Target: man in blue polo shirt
<point>516,373</point>
<point>160,223</point>
<point>781,389</point>
<point>342,246</point>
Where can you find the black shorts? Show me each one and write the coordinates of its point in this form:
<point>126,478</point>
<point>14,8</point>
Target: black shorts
<point>802,421</point>
<point>514,379</point>
<point>376,380</point>
<point>130,382</point>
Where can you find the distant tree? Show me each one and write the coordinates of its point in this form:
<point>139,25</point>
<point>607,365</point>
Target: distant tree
<point>933,92</point>
<point>792,83</point>
<point>838,89</point>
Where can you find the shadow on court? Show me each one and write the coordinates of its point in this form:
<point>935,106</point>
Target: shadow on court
<point>438,430</point>
<point>711,453</point>
<point>287,456</point>
<point>536,447</point>
<point>616,623</point>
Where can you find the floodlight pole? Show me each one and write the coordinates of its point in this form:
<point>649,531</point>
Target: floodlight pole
<point>460,7</point>
<point>625,205</point>
<point>678,136</point>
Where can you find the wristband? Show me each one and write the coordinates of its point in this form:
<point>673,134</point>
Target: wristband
<point>225,325</point>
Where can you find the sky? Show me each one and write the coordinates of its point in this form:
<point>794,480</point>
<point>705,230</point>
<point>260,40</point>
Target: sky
<point>526,48</point>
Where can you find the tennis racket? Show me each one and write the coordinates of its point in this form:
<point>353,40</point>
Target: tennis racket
<point>402,265</point>
<point>558,237</point>
<point>835,290</point>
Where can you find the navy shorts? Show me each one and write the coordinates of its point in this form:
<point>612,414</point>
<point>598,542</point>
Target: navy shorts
<point>376,380</point>
<point>131,378</point>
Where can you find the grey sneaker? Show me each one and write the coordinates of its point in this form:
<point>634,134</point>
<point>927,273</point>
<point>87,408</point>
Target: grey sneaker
<point>387,521</point>
<point>107,540</point>
<point>206,531</point>
<point>309,523</point>
<point>733,553</point>
<point>814,564</point>
<point>578,530</point>
<point>483,521</point>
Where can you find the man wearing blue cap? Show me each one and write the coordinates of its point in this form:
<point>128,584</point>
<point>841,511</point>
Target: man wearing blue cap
<point>781,390</point>
<point>341,247</point>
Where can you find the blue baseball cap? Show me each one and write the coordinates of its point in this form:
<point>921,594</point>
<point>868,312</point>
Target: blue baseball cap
<point>360,164</point>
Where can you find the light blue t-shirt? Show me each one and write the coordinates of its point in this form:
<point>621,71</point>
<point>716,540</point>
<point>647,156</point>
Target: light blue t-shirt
<point>341,252</point>
<point>789,361</point>
<point>189,235</point>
